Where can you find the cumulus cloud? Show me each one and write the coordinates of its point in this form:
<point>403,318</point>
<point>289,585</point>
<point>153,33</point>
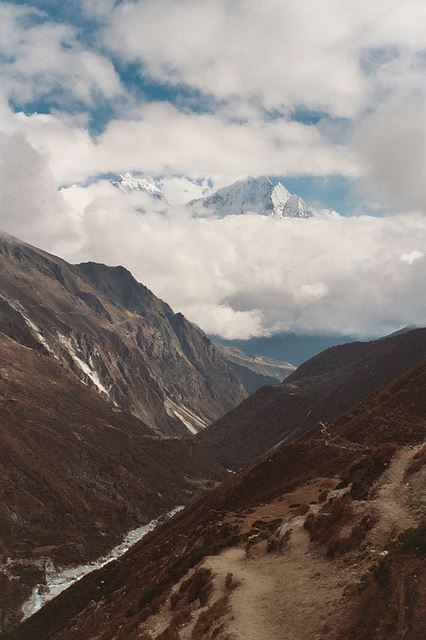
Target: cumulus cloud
<point>252,74</point>
<point>30,205</point>
<point>281,54</point>
<point>41,59</point>
<point>162,140</point>
<point>250,275</point>
<point>391,145</point>
<point>411,257</point>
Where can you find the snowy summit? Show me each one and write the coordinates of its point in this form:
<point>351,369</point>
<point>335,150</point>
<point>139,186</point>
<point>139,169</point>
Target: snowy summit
<point>253,195</point>
<point>127,183</point>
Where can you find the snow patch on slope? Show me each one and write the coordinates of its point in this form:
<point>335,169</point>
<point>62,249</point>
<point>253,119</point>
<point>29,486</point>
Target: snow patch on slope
<point>19,308</point>
<point>127,183</point>
<point>192,422</point>
<point>89,371</point>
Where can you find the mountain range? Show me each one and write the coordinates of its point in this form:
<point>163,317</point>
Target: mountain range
<point>144,489</point>
<point>76,472</point>
<point>117,337</point>
<point>253,195</point>
<point>102,386</point>
<point>324,387</point>
<point>261,195</point>
<point>324,538</point>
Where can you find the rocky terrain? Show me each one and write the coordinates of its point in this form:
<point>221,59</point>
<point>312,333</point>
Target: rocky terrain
<point>324,387</point>
<point>265,367</point>
<point>324,539</point>
<point>117,337</point>
<point>76,473</point>
<point>255,371</point>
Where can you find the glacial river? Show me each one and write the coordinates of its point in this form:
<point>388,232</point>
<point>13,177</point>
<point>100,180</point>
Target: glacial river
<point>58,581</point>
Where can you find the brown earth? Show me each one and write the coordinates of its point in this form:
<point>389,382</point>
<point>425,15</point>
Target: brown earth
<point>76,473</point>
<point>349,564</point>
<point>323,388</point>
<point>116,336</point>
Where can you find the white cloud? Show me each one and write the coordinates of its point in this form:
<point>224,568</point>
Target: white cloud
<point>307,294</point>
<point>281,54</point>
<point>239,276</point>
<point>170,141</point>
<point>252,275</point>
<point>246,275</point>
<point>162,140</point>
<point>30,206</point>
<point>42,58</point>
<point>223,320</point>
<point>99,9</point>
<point>391,144</point>
<point>412,257</point>
<point>180,189</point>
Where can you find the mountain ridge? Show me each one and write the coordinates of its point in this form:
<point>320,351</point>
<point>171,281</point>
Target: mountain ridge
<point>260,195</point>
<point>337,511</point>
<point>115,335</point>
<point>76,472</point>
<point>253,195</point>
<point>328,384</point>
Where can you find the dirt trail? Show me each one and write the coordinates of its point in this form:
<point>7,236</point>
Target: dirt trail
<point>293,595</point>
<point>281,597</point>
<point>391,501</point>
<point>333,440</point>
<point>299,593</point>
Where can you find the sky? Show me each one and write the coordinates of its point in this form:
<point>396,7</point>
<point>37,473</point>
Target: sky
<point>328,96</point>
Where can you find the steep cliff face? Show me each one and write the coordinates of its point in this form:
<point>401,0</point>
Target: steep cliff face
<point>324,387</point>
<point>117,337</point>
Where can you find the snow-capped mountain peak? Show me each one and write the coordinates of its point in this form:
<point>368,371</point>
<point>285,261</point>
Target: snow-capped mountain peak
<point>127,183</point>
<point>253,195</point>
<point>279,198</point>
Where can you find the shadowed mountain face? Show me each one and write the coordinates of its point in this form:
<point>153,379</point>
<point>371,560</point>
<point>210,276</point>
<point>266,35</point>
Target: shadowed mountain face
<point>76,473</point>
<point>326,535</point>
<point>321,389</point>
<point>117,337</point>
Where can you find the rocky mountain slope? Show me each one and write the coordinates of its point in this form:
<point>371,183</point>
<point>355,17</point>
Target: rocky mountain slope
<point>268,367</point>
<point>117,337</point>
<point>76,473</point>
<point>323,539</point>
<point>325,386</point>
<point>255,371</point>
<point>253,195</point>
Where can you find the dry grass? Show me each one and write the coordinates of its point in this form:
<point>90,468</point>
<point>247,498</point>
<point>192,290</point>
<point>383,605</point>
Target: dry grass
<point>211,622</point>
<point>198,587</point>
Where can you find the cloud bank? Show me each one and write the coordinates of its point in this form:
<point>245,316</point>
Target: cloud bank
<point>200,94</point>
<point>244,276</point>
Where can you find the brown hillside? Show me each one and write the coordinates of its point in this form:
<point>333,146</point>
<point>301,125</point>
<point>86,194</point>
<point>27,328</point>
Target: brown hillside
<point>294,548</point>
<point>116,336</point>
<point>326,386</point>
<point>75,472</point>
